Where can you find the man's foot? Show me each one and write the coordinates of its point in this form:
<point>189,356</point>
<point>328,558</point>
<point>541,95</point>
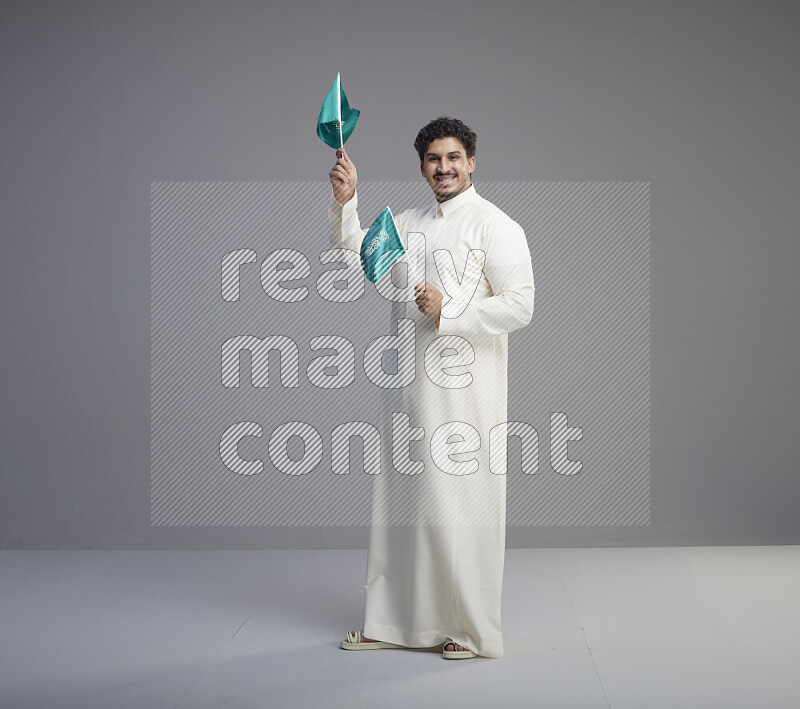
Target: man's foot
<point>451,650</point>
<point>356,641</point>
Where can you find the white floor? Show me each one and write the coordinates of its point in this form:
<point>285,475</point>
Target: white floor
<point>638,628</point>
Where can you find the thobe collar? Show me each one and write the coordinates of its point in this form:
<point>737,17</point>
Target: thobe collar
<point>446,208</point>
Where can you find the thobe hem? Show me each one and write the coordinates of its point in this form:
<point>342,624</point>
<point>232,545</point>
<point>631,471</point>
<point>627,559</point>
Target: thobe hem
<point>428,638</point>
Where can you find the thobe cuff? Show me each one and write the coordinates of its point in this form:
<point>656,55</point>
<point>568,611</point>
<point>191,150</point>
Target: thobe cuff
<point>346,230</point>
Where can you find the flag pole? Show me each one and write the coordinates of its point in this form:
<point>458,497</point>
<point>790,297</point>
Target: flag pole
<point>339,107</point>
<point>408,254</point>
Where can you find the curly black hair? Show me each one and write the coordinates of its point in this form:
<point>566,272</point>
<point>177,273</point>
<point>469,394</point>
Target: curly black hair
<point>444,127</point>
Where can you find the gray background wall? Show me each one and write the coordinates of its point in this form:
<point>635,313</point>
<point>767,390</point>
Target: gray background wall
<point>101,99</point>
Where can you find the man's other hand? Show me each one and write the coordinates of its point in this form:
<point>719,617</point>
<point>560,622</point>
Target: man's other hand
<point>429,300</point>
<point>343,178</point>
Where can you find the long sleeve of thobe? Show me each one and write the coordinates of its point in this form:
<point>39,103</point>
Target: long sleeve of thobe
<point>508,270</point>
<point>346,231</point>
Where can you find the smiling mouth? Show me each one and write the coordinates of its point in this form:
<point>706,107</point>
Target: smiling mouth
<point>445,179</point>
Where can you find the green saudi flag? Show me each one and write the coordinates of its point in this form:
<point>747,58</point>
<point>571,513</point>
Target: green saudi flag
<point>336,119</point>
<point>381,247</point>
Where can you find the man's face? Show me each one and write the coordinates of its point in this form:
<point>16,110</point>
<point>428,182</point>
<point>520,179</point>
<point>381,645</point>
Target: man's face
<point>446,168</point>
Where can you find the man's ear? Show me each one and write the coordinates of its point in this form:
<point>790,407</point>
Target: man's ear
<point>422,169</point>
<point>471,164</point>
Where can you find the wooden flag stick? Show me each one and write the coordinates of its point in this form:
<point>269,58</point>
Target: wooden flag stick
<point>339,106</point>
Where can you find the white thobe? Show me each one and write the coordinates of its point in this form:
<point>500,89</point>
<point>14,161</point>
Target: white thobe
<point>437,536</point>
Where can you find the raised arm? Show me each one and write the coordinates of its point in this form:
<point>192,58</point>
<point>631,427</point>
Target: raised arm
<point>346,231</point>
<point>510,274</point>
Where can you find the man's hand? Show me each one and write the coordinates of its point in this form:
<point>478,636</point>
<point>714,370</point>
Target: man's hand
<point>429,300</point>
<point>343,178</point>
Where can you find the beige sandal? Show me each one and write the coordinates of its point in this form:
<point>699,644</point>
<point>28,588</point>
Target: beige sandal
<point>455,654</point>
<point>354,641</point>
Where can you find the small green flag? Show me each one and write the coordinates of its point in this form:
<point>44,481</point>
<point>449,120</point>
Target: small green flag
<point>381,246</point>
<point>336,119</point>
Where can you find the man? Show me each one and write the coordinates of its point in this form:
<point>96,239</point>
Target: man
<point>438,578</point>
